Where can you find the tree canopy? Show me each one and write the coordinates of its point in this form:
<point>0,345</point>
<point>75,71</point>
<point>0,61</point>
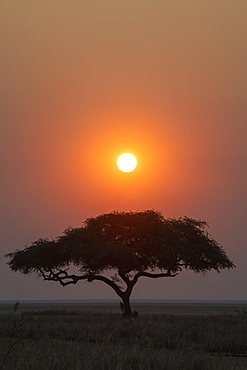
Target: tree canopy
<point>132,244</point>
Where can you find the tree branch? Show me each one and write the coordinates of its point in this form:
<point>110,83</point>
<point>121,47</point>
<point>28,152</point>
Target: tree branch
<point>108,282</point>
<point>122,274</point>
<point>153,276</point>
<point>65,279</point>
<point>61,276</point>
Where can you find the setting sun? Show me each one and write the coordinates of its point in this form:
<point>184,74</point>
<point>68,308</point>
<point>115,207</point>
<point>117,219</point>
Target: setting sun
<point>126,162</point>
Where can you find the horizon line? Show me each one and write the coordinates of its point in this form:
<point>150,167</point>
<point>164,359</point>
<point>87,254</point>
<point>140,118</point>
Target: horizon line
<point>117,300</point>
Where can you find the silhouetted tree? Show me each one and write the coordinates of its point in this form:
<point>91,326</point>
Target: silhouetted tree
<point>131,244</point>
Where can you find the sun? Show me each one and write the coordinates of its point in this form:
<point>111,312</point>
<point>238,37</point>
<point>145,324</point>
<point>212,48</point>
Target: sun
<point>126,162</point>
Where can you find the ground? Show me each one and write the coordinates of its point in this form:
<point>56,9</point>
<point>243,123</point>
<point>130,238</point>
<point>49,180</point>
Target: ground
<point>171,336</point>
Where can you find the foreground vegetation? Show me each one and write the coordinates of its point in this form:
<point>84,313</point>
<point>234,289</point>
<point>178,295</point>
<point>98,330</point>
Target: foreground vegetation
<point>73,339</point>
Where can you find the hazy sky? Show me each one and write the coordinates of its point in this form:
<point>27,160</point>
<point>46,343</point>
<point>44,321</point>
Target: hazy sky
<point>82,82</point>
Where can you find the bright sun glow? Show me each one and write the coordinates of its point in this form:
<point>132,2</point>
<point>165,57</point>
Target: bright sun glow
<point>126,162</point>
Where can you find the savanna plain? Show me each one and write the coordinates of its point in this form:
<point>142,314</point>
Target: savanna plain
<point>90,336</point>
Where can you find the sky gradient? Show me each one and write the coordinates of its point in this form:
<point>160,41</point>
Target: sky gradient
<point>83,82</point>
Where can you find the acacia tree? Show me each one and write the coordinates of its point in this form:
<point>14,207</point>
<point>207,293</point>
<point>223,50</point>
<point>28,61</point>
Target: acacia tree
<point>129,244</point>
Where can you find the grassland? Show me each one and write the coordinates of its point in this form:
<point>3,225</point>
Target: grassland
<point>95,336</point>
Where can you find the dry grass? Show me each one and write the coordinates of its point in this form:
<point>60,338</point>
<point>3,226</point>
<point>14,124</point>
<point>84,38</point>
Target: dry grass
<point>72,338</point>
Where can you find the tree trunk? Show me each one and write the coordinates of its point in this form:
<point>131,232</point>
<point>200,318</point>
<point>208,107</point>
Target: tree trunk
<point>126,306</point>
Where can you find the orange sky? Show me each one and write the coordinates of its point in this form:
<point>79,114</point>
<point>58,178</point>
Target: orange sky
<point>83,82</point>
